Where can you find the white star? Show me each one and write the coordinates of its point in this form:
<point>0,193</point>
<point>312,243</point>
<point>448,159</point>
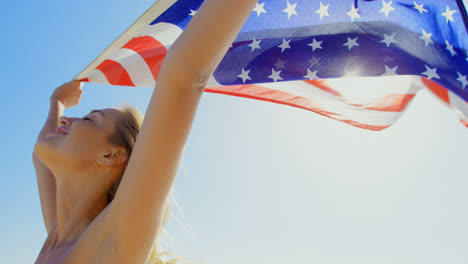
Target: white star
<point>450,48</point>
<point>192,12</point>
<point>426,37</point>
<point>280,64</point>
<point>311,75</point>
<point>255,44</point>
<point>353,13</point>
<point>291,9</point>
<point>313,61</point>
<point>390,71</point>
<point>259,8</point>
<point>420,8</point>
<point>387,7</point>
<point>351,43</point>
<point>388,40</point>
<point>431,73</point>
<point>275,75</point>
<point>462,78</point>
<point>315,44</point>
<point>284,45</point>
<point>323,11</point>
<point>244,75</point>
<point>448,14</point>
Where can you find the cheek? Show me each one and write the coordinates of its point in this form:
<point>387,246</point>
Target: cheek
<point>84,140</point>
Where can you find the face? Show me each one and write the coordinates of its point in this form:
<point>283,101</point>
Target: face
<point>80,142</point>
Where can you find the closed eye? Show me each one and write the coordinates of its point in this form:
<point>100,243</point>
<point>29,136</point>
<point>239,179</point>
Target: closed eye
<point>86,118</point>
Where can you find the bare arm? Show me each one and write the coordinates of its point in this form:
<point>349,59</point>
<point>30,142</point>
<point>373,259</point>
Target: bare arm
<point>45,178</point>
<point>137,209</point>
<point>62,98</point>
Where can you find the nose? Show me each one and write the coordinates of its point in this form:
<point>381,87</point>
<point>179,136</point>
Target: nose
<point>65,121</point>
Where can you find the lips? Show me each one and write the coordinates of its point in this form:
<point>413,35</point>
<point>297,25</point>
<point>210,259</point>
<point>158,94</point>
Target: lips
<point>60,130</point>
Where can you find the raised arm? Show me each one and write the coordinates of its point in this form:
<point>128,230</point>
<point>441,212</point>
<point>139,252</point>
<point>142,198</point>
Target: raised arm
<point>65,96</point>
<point>137,209</point>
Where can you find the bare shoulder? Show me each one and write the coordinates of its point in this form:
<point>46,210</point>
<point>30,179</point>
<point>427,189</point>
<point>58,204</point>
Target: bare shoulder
<point>97,244</point>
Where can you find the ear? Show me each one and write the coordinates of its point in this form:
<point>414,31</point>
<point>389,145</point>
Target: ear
<point>113,156</point>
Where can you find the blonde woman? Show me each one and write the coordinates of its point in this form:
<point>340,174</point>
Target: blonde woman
<point>104,179</point>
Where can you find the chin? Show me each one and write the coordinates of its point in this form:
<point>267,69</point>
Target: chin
<point>47,148</point>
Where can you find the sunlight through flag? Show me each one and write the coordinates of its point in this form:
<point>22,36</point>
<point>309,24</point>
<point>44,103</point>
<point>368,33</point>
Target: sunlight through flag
<point>360,62</point>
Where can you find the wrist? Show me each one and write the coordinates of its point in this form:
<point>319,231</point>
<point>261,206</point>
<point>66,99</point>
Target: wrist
<point>55,103</point>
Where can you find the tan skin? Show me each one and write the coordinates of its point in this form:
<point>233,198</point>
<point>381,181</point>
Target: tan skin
<point>73,168</point>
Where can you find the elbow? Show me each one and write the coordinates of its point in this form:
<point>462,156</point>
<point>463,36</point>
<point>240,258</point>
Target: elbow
<point>183,80</point>
<point>182,72</point>
<point>194,77</point>
<point>200,82</point>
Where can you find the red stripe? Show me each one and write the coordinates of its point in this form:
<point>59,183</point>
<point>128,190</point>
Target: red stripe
<point>390,103</point>
<point>265,94</point>
<point>151,50</point>
<point>115,73</point>
<point>84,80</point>
<point>365,126</point>
<point>437,89</point>
<point>323,85</point>
<point>464,121</point>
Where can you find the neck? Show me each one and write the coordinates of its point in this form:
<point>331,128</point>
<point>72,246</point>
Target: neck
<point>79,202</point>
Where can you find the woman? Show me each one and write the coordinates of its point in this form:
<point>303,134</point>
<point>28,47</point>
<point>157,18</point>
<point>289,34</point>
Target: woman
<point>79,161</point>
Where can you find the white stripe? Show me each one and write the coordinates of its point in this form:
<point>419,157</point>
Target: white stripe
<point>328,102</point>
<point>96,76</point>
<point>212,82</point>
<point>137,69</point>
<point>458,105</point>
<point>165,33</point>
<point>417,85</point>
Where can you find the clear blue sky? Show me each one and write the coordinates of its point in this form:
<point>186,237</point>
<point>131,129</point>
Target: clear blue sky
<point>259,182</point>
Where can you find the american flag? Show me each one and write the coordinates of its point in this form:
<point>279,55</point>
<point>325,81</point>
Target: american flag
<point>356,61</point>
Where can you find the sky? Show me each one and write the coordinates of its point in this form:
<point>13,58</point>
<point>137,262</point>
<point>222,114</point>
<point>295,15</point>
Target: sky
<point>259,182</point>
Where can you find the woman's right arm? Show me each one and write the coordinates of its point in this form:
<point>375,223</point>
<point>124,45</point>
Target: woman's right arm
<point>63,97</point>
<point>45,178</point>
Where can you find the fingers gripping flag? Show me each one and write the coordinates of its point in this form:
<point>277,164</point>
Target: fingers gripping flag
<point>357,61</point>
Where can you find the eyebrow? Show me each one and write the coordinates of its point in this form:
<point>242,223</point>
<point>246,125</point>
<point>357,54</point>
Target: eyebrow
<point>99,111</point>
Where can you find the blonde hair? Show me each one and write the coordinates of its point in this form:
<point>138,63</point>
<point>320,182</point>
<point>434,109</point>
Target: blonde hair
<point>125,135</point>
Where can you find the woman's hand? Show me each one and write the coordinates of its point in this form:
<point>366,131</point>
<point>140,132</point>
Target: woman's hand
<point>69,94</point>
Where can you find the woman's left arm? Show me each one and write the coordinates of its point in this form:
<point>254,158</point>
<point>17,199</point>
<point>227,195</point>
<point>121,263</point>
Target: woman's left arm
<point>133,219</point>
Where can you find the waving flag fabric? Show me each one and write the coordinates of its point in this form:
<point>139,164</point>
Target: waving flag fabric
<point>357,61</point>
